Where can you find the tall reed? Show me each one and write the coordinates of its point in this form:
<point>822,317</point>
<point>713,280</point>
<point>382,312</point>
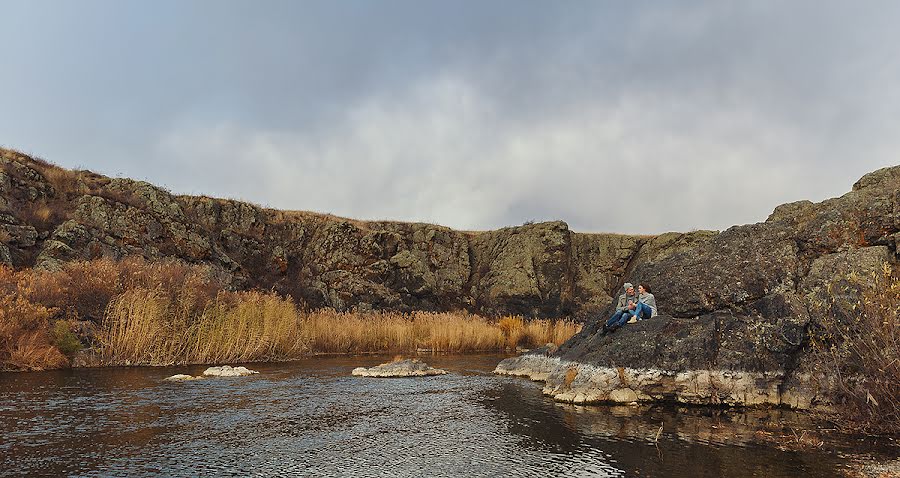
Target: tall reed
<point>145,327</point>
<point>167,312</point>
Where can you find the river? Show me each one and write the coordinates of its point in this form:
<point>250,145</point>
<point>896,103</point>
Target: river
<point>312,418</point>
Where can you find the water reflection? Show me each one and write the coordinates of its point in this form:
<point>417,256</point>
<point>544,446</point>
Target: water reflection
<point>312,418</point>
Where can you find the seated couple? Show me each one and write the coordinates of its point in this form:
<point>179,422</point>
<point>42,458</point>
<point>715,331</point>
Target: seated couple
<point>632,307</point>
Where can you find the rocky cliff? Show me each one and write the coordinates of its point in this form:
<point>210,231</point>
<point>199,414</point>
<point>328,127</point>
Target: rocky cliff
<point>49,215</point>
<point>738,309</point>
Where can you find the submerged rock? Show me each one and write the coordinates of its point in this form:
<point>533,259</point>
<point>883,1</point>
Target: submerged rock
<point>228,371</point>
<point>400,368</point>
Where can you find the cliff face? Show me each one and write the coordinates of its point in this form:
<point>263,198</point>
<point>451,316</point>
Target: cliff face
<point>49,215</point>
<point>737,308</point>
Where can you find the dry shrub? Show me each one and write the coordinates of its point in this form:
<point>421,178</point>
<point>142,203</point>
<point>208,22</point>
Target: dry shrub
<point>862,354</point>
<point>66,183</point>
<point>24,340</point>
<point>83,289</point>
<point>43,215</point>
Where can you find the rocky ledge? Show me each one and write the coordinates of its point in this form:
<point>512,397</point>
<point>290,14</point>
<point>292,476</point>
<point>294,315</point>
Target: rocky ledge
<point>741,308</point>
<point>399,368</point>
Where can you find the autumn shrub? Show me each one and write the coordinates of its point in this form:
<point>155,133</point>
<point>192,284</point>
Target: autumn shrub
<point>24,339</point>
<point>43,214</point>
<point>861,353</point>
<point>65,182</point>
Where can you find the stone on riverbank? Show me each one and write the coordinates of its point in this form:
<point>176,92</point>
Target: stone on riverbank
<point>228,371</point>
<point>400,368</point>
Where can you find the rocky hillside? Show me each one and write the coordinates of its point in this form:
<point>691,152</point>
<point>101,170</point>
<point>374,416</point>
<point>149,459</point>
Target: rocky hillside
<point>738,308</point>
<point>49,215</point>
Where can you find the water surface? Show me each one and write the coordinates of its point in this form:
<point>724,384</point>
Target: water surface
<point>312,418</point>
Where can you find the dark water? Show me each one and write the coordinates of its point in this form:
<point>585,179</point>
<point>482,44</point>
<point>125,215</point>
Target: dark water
<point>312,418</point>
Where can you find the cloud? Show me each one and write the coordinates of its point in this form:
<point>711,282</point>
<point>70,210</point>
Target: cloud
<point>638,118</point>
<point>445,153</point>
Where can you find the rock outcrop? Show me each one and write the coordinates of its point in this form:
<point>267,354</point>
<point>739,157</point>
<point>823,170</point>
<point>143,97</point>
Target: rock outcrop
<point>739,308</point>
<point>399,368</point>
<point>738,305</point>
<point>50,215</point>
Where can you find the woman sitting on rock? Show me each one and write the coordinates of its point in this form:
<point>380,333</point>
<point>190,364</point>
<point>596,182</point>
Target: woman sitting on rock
<point>646,305</point>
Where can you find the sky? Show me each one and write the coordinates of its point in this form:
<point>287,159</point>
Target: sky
<point>630,116</point>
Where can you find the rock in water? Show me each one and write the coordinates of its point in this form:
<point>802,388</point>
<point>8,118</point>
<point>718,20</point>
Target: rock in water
<point>400,368</point>
<point>181,378</point>
<point>228,371</point>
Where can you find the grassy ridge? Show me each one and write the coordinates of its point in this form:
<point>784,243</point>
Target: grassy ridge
<point>139,313</point>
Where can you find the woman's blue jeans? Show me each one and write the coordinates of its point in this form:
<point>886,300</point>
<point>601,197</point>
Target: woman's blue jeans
<point>642,311</point>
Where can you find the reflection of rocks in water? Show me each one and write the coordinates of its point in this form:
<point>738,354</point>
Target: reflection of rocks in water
<point>695,441</point>
<point>537,420</point>
<point>703,425</point>
<point>399,368</point>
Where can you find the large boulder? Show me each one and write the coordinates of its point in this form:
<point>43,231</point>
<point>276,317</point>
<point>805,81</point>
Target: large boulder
<point>738,308</point>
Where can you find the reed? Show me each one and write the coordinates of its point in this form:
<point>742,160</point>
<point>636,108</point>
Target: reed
<point>327,331</point>
<point>146,327</point>
<point>167,312</point>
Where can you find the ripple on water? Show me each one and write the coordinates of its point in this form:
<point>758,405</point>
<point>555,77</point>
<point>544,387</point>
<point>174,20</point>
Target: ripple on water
<point>312,418</point>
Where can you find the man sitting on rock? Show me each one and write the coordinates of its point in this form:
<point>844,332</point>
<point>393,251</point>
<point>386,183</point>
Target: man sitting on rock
<point>624,309</point>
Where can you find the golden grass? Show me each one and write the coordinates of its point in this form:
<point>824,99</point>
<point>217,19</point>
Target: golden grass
<point>327,331</point>
<point>171,313</point>
<point>145,327</point>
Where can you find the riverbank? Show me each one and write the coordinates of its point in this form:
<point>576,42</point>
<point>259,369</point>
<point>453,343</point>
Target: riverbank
<point>134,312</point>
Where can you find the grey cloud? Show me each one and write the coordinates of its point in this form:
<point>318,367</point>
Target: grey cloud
<point>475,115</point>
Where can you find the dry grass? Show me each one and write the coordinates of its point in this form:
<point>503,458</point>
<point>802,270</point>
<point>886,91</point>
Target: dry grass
<point>67,183</point>
<point>145,327</point>
<point>43,215</point>
<point>24,332</point>
<point>863,355</point>
<point>172,313</point>
<point>327,331</point>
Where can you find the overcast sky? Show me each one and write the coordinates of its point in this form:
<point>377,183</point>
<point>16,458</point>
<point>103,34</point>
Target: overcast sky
<point>636,117</point>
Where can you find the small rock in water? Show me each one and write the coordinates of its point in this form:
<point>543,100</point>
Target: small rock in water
<point>181,378</point>
<point>228,371</point>
<point>400,368</point>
